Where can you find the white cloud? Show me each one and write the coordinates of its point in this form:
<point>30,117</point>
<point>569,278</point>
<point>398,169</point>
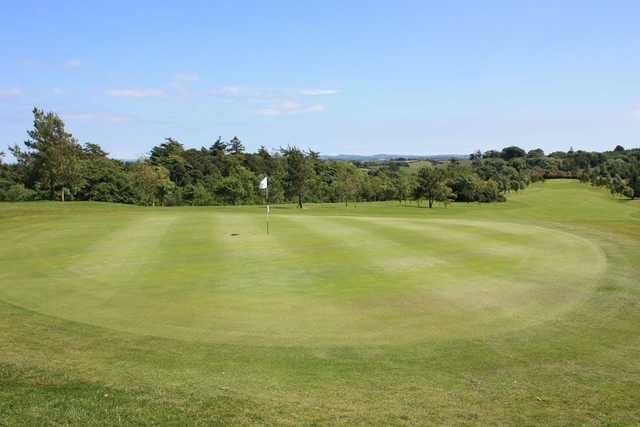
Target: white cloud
<point>187,77</point>
<point>57,91</point>
<point>319,92</point>
<point>113,118</point>
<point>268,112</point>
<point>289,107</point>
<point>72,63</point>
<point>105,117</point>
<point>226,91</point>
<point>135,93</point>
<point>14,91</point>
<point>636,113</point>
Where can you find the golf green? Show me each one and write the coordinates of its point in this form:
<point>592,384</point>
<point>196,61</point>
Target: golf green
<point>349,300</point>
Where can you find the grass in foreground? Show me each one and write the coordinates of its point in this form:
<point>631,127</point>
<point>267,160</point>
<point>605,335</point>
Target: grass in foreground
<point>520,313</point>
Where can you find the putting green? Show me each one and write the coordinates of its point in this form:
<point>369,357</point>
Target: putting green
<point>318,278</point>
<point>517,313</point>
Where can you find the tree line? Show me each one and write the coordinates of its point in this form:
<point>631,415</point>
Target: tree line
<point>53,165</point>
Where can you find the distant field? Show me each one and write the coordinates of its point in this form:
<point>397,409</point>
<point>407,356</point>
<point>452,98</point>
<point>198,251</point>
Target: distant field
<point>415,165</point>
<point>521,313</point>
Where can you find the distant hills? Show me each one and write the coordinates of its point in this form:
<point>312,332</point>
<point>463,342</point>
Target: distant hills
<point>371,157</point>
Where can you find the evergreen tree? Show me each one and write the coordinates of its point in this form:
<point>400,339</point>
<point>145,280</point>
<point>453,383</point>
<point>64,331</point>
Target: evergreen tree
<point>52,156</point>
<point>235,147</point>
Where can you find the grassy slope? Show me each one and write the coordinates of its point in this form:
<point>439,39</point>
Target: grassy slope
<point>524,312</point>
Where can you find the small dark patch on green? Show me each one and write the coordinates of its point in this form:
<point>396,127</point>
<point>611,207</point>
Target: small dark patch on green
<point>611,289</point>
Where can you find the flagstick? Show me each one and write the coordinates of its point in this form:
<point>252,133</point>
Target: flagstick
<point>264,185</point>
<point>267,201</point>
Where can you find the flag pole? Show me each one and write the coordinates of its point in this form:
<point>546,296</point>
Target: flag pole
<point>267,202</point>
<point>264,185</point>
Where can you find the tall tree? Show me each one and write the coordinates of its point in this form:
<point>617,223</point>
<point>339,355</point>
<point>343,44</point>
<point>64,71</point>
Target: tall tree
<point>219,147</point>
<point>170,154</point>
<point>298,173</point>
<point>348,181</point>
<point>403,186</point>
<point>235,147</point>
<point>430,184</point>
<point>52,156</point>
<point>161,152</point>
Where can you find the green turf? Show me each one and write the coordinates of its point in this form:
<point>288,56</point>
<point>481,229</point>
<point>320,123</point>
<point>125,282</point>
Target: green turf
<point>526,312</point>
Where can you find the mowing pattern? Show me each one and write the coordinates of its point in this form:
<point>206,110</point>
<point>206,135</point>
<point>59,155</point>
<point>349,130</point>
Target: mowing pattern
<point>316,279</point>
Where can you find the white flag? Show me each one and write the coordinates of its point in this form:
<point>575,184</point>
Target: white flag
<point>263,183</point>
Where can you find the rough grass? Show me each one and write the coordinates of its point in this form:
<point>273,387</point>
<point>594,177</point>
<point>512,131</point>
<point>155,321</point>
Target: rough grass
<point>519,313</point>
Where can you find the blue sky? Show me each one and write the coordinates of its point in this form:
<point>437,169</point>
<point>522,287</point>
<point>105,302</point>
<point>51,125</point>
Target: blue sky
<point>339,77</point>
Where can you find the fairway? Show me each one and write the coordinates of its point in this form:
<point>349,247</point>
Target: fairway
<point>524,312</point>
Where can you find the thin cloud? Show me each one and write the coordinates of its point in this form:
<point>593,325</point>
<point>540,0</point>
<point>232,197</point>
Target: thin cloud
<point>636,113</point>
<point>319,92</point>
<point>187,77</point>
<point>135,93</point>
<point>227,91</point>
<point>105,117</point>
<point>113,118</point>
<point>248,93</point>
<point>289,107</point>
<point>72,63</point>
<point>14,91</point>
<point>79,116</point>
<point>57,91</point>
